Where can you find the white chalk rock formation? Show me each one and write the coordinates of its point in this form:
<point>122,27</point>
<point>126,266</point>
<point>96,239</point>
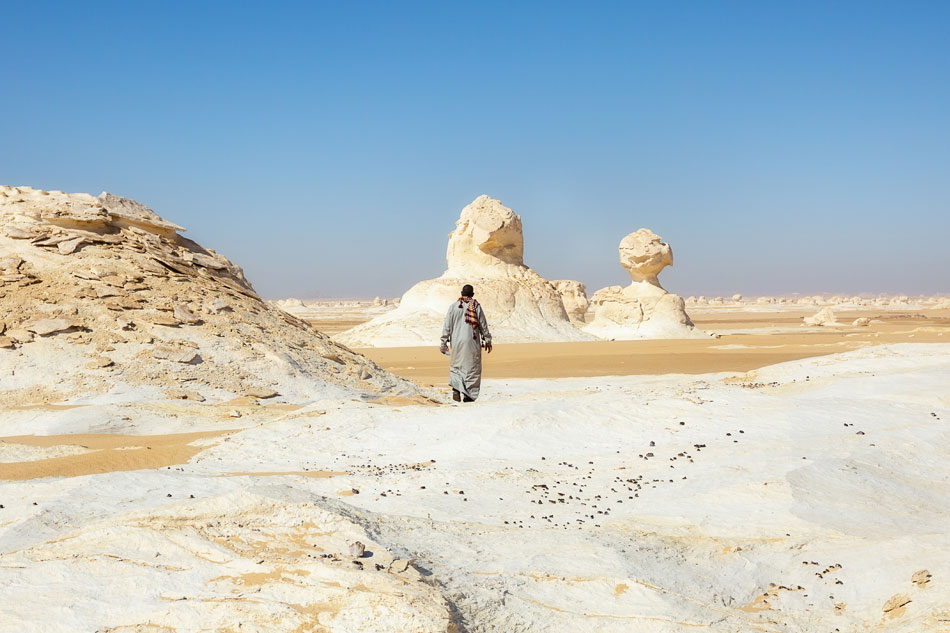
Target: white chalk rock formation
<point>643,309</point>
<point>290,304</point>
<point>100,294</point>
<point>486,250</point>
<point>574,297</point>
<point>823,318</point>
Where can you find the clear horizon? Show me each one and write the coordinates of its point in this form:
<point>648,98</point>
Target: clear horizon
<point>329,148</point>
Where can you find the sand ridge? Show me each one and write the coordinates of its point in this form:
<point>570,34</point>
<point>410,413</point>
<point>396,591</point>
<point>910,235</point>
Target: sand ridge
<point>108,453</point>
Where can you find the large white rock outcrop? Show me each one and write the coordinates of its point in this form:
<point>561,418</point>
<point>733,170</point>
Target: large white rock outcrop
<point>100,294</point>
<point>643,309</point>
<point>486,249</point>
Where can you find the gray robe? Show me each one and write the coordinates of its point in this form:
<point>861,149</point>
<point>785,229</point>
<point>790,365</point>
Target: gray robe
<point>465,369</point>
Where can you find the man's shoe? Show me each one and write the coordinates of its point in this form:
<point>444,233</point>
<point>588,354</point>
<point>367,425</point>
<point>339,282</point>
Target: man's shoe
<point>467,399</point>
<point>456,396</point>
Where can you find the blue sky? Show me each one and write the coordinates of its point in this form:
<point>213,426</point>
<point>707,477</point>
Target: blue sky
<point>328,147</point>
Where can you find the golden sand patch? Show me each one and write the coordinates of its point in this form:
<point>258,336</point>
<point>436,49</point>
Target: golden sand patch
<point>109,453</point>
<point>621,589</point>
<point>257,579</point>
<point>896,606</point>
<point>282,406</point>
<point>311,615</point>
<point>43,406</point>
<point>761,603</point>
<point>289,543</point>
<point>921,578</point>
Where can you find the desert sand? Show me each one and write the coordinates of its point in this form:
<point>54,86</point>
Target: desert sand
<point>776,475</point>
<point>744,341</point>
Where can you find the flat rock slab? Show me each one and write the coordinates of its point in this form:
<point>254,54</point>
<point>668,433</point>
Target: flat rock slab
<point>185,356</point>
<point>184,314</point>
<point>100,362</point>
<point>69,246</point>
<point>184,394</point>
<point>20,232</point>
<point>164,320</point>
<point>260,393</point>
<point>45,327</point>
<point>20,335</point>
<point>219,305</point>
<point>108,291</point>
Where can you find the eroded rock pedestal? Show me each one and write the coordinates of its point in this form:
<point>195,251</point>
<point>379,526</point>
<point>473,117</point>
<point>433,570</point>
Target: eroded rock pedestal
<point>643,309</point>
<point>100,292</point>
<point>486,250</point>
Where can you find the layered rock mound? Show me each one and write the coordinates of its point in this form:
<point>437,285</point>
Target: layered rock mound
<point>486,249</point>
<point>98,294</point>
<point>643,309</point>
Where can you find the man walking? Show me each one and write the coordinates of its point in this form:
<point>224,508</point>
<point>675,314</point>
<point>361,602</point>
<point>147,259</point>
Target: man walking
<point>467,330</point>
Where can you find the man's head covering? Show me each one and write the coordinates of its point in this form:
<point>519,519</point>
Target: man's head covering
<point>468,291</point>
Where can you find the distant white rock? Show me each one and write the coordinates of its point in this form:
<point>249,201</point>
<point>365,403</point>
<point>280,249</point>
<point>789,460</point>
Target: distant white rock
<point>861,322</point>
<point>824,317</point>
<point>643,309</point>
<point>290,303</point>
<point>486,250</point>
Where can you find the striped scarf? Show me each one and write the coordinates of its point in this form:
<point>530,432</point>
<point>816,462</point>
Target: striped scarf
<point>471,314</point>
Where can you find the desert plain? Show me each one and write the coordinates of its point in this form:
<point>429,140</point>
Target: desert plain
<point>177,454</point>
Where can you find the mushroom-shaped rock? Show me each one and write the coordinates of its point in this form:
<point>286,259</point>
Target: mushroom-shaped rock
<point>486,250</point>
<point>643,309</point>
<point>644,255</point>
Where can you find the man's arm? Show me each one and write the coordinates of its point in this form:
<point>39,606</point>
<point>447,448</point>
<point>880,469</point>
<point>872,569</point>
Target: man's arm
<point>446,331</point>
<point>483,327</point>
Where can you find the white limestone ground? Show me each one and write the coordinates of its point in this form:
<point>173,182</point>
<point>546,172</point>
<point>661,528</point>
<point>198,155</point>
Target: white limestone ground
<point>486,249</point>
<point>807,496</point>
